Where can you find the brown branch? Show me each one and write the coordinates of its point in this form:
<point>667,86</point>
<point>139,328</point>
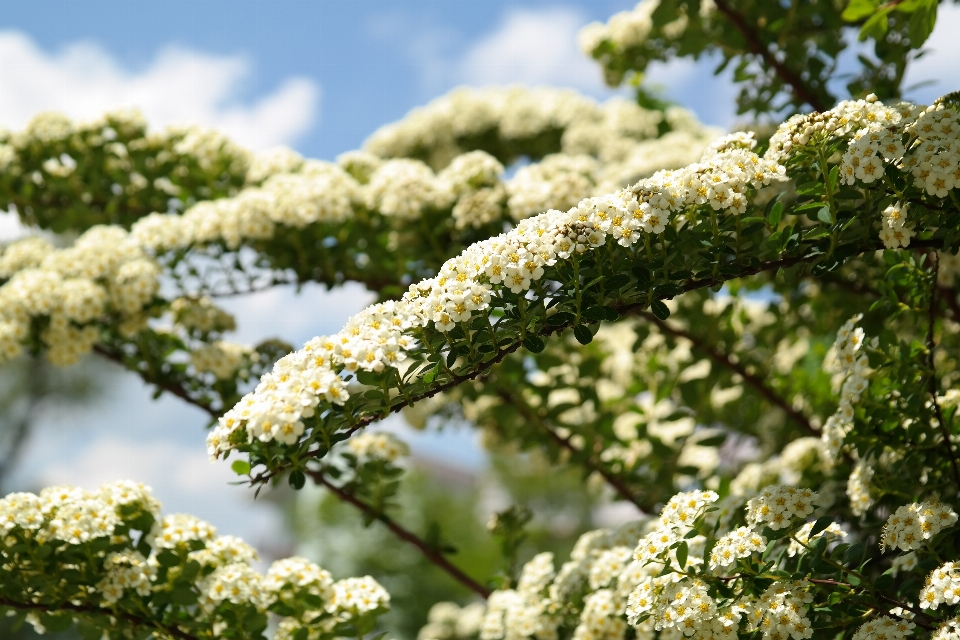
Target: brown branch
<point>612,479</point>
<point>429,552</point>
<point>724,360</point>
<point>110,613</point>
<point>905,607</point>
<point>110,354</point>
<point>800,88</point>
<point>931,349</point>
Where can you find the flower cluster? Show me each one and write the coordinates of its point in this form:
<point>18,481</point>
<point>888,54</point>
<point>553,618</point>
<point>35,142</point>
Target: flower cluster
<point>627,32</point>
<point>103,273</point>
<point>123,556</point>
<point>912,524</point>
<point>949,630</point>
<point>450,621</point>
<point>781,611</point>
<point>542,598</point>
<point>778,505</point>
<point>852,368</point>
<point>127,570</point>
<point>221,358</point>
<point>113,167</point>
<point>382,446</point>
<point>926,148</point>
<point>739,543</point>
<point>886,628</point>
<point>378,337</point>
<point>942,587</point>
<point>676,519</point>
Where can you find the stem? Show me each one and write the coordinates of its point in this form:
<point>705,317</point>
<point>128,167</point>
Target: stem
<point>110,354</point>
<point>429,552</point>
<point>613,480</point>
<point>905,607</point>
<point>801,91</point>
<point>933,386</point>
<point>724,360</point>
<point>100,611</point>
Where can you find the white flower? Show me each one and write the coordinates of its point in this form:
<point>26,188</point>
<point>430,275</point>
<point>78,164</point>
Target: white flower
<point>777,506</point>
<point>942,587</point>
<point>911,524</point>
<point>739,543</point>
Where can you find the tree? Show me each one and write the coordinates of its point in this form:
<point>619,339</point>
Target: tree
<point>750,338</point>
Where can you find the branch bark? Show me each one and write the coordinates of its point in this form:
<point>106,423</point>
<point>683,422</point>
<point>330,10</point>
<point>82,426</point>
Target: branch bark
<point>110,354</point>
<point>612,479</point>
<point>724,360</point>
<point>84,608</point>
<point>933,386</point>
<point>789,77</point>
<point>429,552</point>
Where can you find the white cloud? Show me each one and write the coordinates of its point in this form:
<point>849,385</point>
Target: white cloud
<point>939,64</point>
<point>535,47</point>
<point>178,86</point>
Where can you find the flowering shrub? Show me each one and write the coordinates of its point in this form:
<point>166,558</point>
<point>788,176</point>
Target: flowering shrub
<point>752,335</point>
<point>108,561</point>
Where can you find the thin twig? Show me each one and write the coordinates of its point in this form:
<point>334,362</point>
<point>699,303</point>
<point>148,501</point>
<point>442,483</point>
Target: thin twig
<point>934,391</point>
<point>110,354</point>
<point>612,479</point>
<point>905,607</point>
<point>724,359</point>
<point>429,552</point>
<point>83,608</point>
<point>800,88</point>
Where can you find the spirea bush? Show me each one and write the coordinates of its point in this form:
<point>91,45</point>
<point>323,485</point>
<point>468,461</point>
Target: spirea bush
<point>751,338</point>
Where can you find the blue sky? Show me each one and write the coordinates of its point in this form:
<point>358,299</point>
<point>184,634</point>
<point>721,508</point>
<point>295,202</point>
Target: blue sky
<point>320,77</point>
<point>371,61</point>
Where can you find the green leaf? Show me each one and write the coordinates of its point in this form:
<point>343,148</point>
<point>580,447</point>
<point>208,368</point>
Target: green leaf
<point>854,553</point>
<point>183,595</point>
<point>594,313</point>
<point>642,274</point>
<point>714,441</point>
<point>297,479</point>
<point>876,27</point>
<point>614,283</point>
<point>660,310</point>
<point>432,374</point>
<point>88,631</point>
<point>820,525</point>
<point>452,356</point>
<point>534,344</point>
<point>168,558</point>
<point>582,333</point>
<point>682,552</point>
<point>241,467</point>
<point>859,9</point>
<point>921,25</point>
<point>823,215</point>
<point>667,291</point>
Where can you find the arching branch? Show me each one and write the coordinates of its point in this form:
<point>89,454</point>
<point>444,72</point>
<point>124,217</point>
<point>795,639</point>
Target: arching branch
<point>933,385</point>
<point>180,392</point>
<point>531,415</point>
<point>429,552</point>
<point>171,630</point>
<point>724,360</point>
<point>801,90</point>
